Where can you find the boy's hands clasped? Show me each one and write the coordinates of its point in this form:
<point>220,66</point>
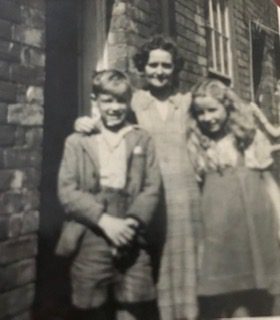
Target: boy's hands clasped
<point>120,231</point>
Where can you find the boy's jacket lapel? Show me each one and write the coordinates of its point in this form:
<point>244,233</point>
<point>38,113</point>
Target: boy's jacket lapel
<point>131,139</point>
<point>90,145</point>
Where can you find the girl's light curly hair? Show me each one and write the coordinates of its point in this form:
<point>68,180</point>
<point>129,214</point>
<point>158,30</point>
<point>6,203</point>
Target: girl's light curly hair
<point>240,123</point>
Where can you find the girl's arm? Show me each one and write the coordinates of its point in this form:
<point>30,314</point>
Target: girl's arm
<point>275,147</point>
<point>269,128</point>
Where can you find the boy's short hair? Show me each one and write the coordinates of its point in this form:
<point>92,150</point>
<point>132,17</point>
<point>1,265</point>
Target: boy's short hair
<point>112,82</point>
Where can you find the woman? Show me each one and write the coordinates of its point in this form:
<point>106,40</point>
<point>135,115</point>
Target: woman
<point>162,110</point>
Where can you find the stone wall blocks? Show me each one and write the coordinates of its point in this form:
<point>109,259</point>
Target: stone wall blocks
<point>15,301</point>
<point>10,10</point>
<point>7,135</point>
<point>17,274</point>
<point>9,51</point>
<point>32,75</point>
<point>26,114</point>
<point>5,29</point>
<point>19,157</point>
<point>13,250</point>
<point>29,36</point>
<point>8,92</point>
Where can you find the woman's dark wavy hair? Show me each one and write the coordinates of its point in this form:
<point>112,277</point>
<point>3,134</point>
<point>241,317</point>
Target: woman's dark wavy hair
<point>159,41</point>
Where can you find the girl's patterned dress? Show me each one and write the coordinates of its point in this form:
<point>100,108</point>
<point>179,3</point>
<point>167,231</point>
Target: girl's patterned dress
<point>240,244</point>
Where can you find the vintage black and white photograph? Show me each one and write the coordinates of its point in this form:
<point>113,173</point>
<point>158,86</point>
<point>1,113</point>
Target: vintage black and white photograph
<point>139,159</point>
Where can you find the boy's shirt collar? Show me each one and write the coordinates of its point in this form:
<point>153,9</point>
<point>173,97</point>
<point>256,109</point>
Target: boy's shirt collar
<point>113,139</point>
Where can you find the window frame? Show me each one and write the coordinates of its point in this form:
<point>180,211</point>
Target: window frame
<point>224,35</point>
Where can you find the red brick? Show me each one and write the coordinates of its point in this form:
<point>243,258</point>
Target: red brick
<point>17,249</point>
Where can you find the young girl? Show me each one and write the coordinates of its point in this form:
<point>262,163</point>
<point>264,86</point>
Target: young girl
<point>239,260</point>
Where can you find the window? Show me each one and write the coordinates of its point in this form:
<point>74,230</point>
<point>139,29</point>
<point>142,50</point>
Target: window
<point>218,39</point>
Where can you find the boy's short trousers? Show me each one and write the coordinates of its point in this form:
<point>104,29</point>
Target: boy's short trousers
<point>95,276</point>
<point>96,272</point>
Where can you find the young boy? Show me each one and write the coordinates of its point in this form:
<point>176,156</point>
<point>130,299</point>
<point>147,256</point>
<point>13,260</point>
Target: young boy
<point>109,186</point>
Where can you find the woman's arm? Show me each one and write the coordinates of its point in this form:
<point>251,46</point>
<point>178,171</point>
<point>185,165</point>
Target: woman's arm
<point>86,124</point>
<point>269,128</point>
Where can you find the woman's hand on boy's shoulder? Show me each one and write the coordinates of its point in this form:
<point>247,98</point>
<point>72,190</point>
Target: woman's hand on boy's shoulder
<point>86,124</point>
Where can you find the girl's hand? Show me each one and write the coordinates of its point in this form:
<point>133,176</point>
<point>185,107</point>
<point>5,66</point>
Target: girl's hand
<point>119,231</point>
<point>85,124</point>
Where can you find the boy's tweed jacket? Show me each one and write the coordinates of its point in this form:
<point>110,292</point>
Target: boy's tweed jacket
<point>79,189</point>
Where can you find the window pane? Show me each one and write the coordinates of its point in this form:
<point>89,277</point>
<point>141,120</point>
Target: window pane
<point>226,56</point>
<point>215,15</point>
<point>218,51</point>
<point>210,48</point>
<point>218,37</point>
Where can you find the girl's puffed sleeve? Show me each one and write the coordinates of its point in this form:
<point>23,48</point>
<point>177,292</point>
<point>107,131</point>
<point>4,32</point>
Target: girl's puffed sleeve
<point>258,154</point>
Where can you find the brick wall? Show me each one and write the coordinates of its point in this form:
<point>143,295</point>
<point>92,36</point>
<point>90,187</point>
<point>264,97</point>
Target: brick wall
<point>132,22</point>
<point>191,38</point>
<point>21,119</point>
<point>135,20</point>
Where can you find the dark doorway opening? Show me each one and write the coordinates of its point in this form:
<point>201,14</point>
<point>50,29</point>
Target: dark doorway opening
<point>61,108</point>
